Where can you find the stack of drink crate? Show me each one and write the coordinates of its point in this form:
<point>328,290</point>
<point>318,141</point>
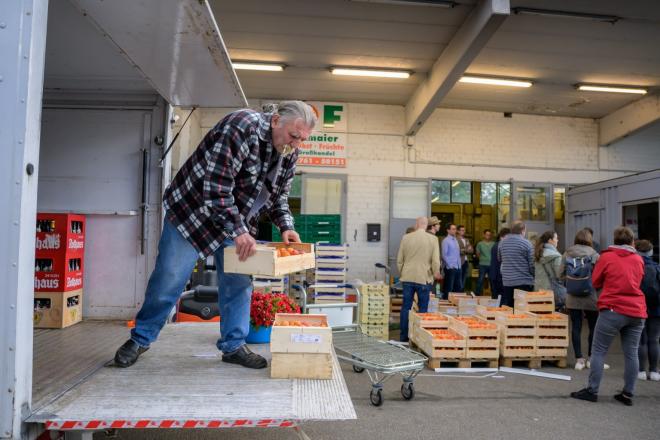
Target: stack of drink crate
<point>58,270</point>
<point>331,270</point>
<point>374,309</point>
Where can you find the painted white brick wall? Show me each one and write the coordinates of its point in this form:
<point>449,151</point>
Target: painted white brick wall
<point>458,144</point>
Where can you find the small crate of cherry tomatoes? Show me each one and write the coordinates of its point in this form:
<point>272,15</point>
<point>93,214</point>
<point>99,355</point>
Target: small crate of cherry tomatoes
<point>272,259</point>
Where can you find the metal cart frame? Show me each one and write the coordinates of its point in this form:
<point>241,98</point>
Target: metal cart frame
<point>382,360</point>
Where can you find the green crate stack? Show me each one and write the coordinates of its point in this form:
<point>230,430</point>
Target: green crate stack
<point>315,228</point>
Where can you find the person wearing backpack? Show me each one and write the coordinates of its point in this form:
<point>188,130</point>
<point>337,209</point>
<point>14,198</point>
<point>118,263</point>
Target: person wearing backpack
<point>547,262</point>
<point>576,268</point>
<point>648,344</point>
<point>622,306</point>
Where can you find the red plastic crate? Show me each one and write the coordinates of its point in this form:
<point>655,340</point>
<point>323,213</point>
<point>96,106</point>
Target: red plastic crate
<point>60,235</point>
<point>57,274</point>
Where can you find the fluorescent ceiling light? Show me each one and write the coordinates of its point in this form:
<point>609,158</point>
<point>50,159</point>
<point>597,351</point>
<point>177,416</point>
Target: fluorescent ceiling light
<point>370,72</point>
<point>495,81</point>
<point>612,89</point>
<point>258,66</point>
<point>567,14</point>
<point>433,3</point>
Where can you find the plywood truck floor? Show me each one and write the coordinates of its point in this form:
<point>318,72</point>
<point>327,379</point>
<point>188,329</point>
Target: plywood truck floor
<point>181,378</point>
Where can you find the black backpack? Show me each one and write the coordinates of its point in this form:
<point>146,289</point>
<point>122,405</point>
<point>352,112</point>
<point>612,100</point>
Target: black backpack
<point>578,276</point>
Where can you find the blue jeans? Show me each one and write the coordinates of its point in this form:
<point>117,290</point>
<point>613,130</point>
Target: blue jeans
<point>452,282</point>
<point>409,289</point>
<point>483,271</point>
<point>465,269</point>
<point>174,264</point>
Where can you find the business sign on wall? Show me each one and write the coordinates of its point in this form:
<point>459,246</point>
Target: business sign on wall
<point>326,146</point>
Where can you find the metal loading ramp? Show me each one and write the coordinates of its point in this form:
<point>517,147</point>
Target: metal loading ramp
<point>181,382</point>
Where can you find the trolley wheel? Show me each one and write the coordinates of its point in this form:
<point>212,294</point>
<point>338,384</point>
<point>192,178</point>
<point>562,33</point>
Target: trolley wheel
<point>408,390</point>
<point>358,369</point>
<point>376,397</point>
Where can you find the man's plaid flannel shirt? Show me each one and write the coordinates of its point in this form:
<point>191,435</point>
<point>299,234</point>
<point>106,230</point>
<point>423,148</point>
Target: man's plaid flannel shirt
<point>212,194</point>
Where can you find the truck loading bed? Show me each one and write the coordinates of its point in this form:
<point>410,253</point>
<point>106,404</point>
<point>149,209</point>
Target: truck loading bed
<point>181,382</point>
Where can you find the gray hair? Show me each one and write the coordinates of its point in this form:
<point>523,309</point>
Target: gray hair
<point>292,110</point>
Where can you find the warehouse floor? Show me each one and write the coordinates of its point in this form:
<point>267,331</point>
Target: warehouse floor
<point>468,407</point>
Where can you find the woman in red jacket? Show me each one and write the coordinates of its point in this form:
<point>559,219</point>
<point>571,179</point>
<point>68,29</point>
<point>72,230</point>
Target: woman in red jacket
<point>622,305</point>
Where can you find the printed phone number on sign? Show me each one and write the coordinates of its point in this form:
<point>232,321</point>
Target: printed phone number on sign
<point>328,161</point>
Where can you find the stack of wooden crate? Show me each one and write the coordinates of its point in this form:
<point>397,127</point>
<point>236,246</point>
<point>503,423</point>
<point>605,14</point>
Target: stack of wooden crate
<point>265,284</point>
<point>425,321</point>
<point>482,337</point>
<point>375,310</point>
<point>535,302</point>
<point>331,269</point>
<point>490,312</point>
<point>301,347</point>
<point>517,334</point>
<point>552,336</point>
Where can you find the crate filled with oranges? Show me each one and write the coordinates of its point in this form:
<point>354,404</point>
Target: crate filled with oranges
<point>517,334</point>
<point>552,335</point>
<point>301,347</point>
<point>418,321</point>
<point>272,259</point>
<point>482,337</point>
<point>441,343</point>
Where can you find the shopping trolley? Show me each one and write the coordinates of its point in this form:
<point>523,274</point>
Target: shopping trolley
<point>381,360</point>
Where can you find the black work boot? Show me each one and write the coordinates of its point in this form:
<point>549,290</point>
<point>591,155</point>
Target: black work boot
<point>585,394</point>
<point>245,357</point>
<point>624,398</point>
<point>128,353</point>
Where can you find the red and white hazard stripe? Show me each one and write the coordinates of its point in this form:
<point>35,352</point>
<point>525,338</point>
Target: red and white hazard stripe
<point>67,425</point>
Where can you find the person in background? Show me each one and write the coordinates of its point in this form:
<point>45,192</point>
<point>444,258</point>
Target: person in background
<point>433,228</point>
<point>451,260</point>
<point>619,273</point>
<point>517,263</point>
<point>547,261</point>
<point>466,250</point>
<point>648,345</point>
<point>581,304</point>
<point>483,250</point>
<point>418,262</point>
<point>495,275</point>
<point>595,244</point>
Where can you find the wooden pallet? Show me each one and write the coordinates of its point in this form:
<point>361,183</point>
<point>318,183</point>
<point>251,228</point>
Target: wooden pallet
<point>520,361</point>
<point>558,361</point>
<point>434,363</point>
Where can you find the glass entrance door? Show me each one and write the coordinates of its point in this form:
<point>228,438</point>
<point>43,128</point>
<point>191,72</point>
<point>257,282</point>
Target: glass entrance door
<point>532,203</point>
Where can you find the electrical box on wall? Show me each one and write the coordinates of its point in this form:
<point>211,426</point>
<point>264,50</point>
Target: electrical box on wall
<point>373,231</point>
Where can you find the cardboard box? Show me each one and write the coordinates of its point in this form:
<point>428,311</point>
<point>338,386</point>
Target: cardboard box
<point>57,309</point>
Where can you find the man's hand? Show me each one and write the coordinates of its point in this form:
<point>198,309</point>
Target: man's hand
<point>290,236</point>
<point>437,276</point>
<point>246,246</point>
